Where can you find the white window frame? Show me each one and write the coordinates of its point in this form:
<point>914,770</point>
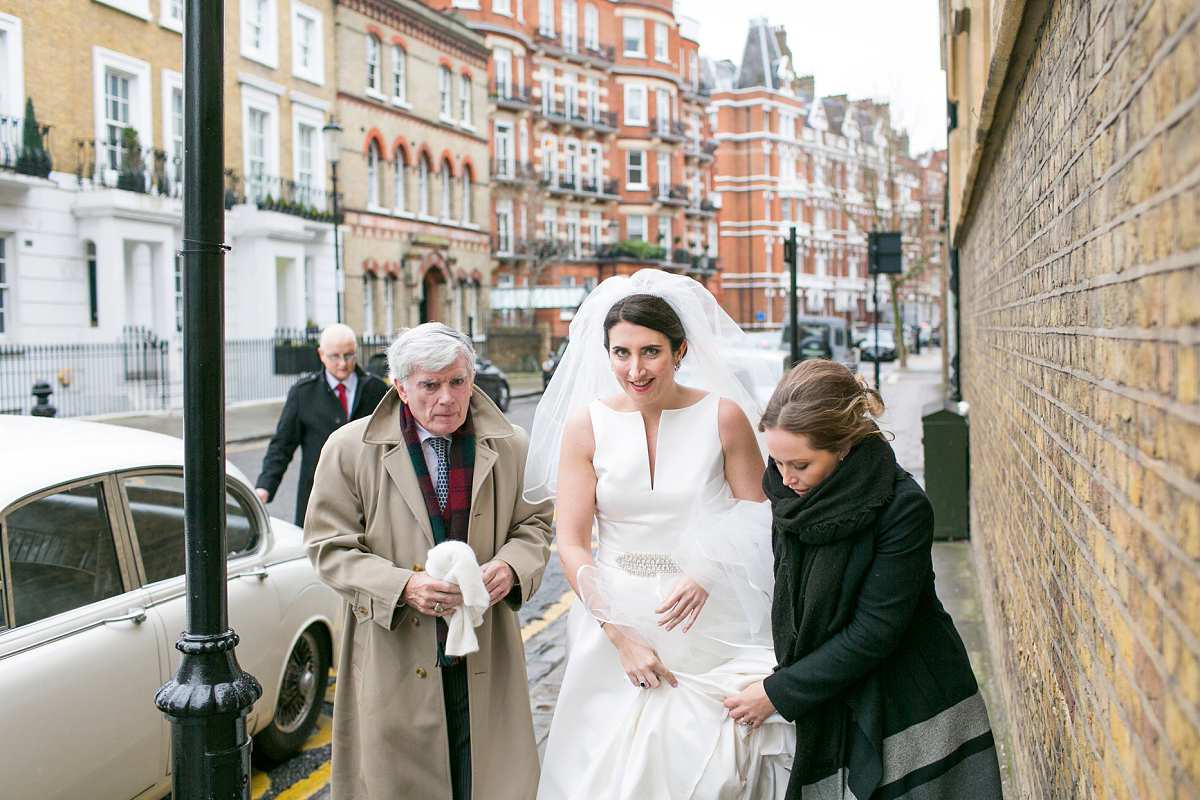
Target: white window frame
<point>368,325</point>
<point>314,71</point>
<point>591,99</point>
<point>445,94</point>
<point>134,8</point>
<point>400,76</point>
<point>422,187</point>
<point>464,100</point>
<point>170,15</point>
<point>502,64</point>
<point>660,43</point>
<point>550,223</point>
<point>571,228</point>
<point>662,111</point>
<point>374,177</point>
<point>635,102</point>
<point>445,195</point>
<point>591,27</point>
<point>635,227</point>
<point>594,160</point>
<point>502,7</point>
<point>573,161</point>
<point>570,26</point>
<point>504,225</point>
<point>663,169</point>
<point>12,91</point>
<point>140,111</point>
<point>570,90</point>
<point>266,102</point>
<point>465,205</point>
<point>399,183</point>
<point>267,51</point>
<point>546,17</point>
<point>502,143</point>
<point>594,220</point>
<point>639,184</point>
<point>663,235</point>
<point>550,158</point>
<point>389,303</point>
<point>172,82</point>
<point>633,28</point>
<point>373,63</point>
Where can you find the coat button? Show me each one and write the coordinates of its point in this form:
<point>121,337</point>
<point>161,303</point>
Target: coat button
<point>416,622</point>
<point>362,610</point>
<point>420,672</point>
<point>418,568</point>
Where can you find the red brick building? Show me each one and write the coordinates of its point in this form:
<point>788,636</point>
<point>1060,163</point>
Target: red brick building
<point>832,168</point>
<point>601,152</point>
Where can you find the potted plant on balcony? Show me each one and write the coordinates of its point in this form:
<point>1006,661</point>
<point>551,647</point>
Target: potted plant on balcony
<point>132,177</point>
<point>32,158</point>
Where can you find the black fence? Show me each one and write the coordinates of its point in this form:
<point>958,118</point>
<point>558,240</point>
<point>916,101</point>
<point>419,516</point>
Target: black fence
<point>141,372</point>
<point>129,375</point>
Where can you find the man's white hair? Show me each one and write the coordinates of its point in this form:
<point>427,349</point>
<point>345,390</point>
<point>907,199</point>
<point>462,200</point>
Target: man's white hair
<point>336,331</point>
<point>431,346</point>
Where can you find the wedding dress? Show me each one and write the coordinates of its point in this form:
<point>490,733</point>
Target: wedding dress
<point>610,740</point>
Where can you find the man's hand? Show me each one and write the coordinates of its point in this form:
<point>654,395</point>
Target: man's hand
<point>431,598</point>
<point>262,494</point>
<point>498,579</point>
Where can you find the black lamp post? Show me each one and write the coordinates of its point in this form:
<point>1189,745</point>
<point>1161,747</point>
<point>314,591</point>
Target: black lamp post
<point>333,153</point>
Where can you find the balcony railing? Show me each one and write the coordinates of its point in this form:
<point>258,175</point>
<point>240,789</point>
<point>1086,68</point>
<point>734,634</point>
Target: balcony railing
<point>24,146</point>
<point>565,44</point>
<point>506,94</point>
<point>702,206</point>
<point>668,128</point>
<point>273,193</point>
<point>601,52</point>
<point>675,194</point>
<point>580,116</point>
<point>587,185</point>
<point>505,169</point>
<point>113,165</point>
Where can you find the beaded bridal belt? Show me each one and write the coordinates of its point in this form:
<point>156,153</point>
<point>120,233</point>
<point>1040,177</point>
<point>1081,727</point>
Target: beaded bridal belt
<point>647,565</point>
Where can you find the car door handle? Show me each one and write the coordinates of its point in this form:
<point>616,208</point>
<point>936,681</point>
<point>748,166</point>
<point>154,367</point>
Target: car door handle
<point>135,614</point>
<point>259,572</point>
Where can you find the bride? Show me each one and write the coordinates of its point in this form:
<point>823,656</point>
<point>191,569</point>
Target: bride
<point>675,611</point>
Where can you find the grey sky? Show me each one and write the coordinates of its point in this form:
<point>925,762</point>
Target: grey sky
<point>884,49</point>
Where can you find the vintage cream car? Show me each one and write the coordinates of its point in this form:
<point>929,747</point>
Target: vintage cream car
<point>91,603</point>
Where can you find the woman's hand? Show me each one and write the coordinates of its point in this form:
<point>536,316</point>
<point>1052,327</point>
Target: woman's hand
<point>640,662</point>
<point>751,706</point>
<point>683,604</point>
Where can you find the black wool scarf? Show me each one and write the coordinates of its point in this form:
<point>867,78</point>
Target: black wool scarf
<point>812,538</point>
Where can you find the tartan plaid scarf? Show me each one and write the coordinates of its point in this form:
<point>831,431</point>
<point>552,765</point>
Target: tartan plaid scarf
<point>452,521</point>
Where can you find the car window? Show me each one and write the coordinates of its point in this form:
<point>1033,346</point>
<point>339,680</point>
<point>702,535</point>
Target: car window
<point>839,337</point>
<point>156,506</point>
<point>61,553</point>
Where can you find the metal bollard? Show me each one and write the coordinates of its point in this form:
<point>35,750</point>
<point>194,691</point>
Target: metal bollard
<point>42,391</point>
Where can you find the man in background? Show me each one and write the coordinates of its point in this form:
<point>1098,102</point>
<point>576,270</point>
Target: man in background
<point>317,405</point>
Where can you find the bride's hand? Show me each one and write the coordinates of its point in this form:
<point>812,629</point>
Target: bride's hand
<point>640,662</point>
<point>683,604</point>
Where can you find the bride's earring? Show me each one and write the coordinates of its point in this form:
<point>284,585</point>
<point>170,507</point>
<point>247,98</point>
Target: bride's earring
<point>677,363</point>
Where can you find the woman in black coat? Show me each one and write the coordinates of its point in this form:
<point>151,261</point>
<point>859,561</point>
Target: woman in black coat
<point>871,668</point>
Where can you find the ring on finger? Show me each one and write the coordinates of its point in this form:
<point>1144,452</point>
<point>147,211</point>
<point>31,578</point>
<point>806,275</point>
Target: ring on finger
<point>437,608</point>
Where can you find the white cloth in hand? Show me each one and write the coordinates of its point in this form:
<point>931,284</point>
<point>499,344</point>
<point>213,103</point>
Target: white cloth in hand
<point>454,562</point>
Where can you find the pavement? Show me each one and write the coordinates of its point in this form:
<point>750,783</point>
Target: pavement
<point>906,392</point>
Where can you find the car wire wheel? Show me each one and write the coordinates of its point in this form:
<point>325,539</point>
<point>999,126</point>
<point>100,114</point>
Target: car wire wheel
<point>299,690</point>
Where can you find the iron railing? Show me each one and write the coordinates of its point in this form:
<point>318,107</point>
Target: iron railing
<point>506,169</point>
<point>102,164</point>
<point>273,193</point>
<point>129,375</point>
<point>25,146</point>
<point>507,94</point>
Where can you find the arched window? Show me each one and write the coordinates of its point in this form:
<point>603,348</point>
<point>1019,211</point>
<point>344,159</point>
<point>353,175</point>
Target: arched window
<point>399,180</point>
<point>423,186</point>
<point>372,175</point>
<point>466,195</point>
<point>591,27</point>
<point>445,189</point>
<point>373,77</point>
<point>399,74</point>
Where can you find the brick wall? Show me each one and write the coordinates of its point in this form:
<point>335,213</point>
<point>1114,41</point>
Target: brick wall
<point>1080,275</point>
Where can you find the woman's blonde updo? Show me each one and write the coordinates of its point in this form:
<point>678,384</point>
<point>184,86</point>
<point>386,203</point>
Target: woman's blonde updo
<point>824,402</point>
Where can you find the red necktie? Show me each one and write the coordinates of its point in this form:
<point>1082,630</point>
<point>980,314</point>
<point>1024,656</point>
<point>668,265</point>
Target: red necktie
<point>341,393</point>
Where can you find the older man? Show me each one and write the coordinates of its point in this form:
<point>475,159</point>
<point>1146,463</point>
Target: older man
<point>436,461</point>
<point>317,405</point>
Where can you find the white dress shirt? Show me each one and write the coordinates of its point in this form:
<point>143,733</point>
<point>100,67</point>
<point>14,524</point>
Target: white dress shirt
<point>351,384</point>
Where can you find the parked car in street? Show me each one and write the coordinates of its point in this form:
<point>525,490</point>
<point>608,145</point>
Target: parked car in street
<point>822,337</point>
<point>878,348</point>
<point>92,601</point>
<point>488,377</point>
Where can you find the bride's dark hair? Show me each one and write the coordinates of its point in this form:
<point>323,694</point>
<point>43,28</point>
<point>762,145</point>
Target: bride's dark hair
<point>649,312</point>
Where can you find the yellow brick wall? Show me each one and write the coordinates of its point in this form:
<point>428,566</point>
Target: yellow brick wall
<point>1080,278</point>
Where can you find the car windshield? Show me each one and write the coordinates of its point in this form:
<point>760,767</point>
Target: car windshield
<point>885,337</point>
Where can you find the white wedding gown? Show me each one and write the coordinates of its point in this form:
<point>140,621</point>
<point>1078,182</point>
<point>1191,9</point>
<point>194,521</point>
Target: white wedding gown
<point>610,740</point>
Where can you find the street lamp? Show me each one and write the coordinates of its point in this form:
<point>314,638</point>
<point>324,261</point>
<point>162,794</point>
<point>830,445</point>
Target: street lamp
<point>333,153</point>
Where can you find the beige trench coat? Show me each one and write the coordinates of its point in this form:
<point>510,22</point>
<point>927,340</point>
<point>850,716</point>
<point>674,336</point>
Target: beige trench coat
<point>366,532</point>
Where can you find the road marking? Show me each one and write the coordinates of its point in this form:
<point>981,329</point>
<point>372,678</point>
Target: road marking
<point>242,448</point>
<point>317,780</point>
<point>259,784</point>
<point>552,613</point>
<point>322,736</point>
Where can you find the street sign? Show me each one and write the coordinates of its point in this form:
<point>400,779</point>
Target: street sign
<point>760,316</point>
<point>884,253</point>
